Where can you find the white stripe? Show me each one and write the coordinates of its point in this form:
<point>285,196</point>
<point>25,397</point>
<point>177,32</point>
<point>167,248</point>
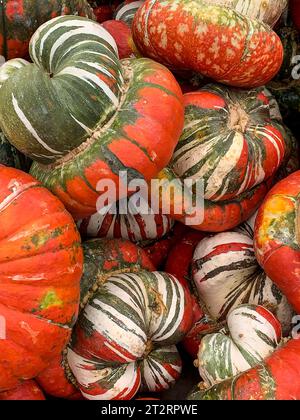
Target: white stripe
<point>133,342</point>
<point>88,78</point>
<point>159,335</point>
<point>16,189</point>
<point>97,66</point>
<point>29,127</point>
<point>127,7</point>
<point>84,127</point>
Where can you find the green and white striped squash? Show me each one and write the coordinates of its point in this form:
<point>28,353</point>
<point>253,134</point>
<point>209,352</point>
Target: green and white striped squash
<point>227,274</point>
<point>125,337</point>
<point>60,84</point>
<point>233,142</point>
<point>252,333</point>
<point>83,115</point>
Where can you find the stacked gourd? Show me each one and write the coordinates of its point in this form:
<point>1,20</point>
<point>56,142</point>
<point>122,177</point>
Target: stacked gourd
<point>105,109</point>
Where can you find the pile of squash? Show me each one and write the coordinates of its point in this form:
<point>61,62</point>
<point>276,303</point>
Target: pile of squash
<point>101,304</point>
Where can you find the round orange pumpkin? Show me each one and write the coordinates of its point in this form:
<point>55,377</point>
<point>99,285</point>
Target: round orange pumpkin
<point>40,269</point>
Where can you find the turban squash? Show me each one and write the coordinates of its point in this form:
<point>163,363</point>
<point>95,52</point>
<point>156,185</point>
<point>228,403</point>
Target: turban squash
<point>19,19</point>
<point>252,333</point>
<point>223,273</point>
<point>215,41</point>
<point>226,273</point>
<point>40,268</point>
<point>233,142</point>
<point>277,250</point>
<point>100,115</point>
<point>130,320</point>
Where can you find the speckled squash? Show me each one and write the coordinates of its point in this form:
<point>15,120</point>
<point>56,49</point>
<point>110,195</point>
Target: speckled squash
<point>252,333</point>
<point>27,391</point>
<point>19,19</point>
<point>267,11</point>
<point>215,41</point>
<point>234,142</point>
<point>105,112</point>
<point>131,319</point>
<point>40,268</point>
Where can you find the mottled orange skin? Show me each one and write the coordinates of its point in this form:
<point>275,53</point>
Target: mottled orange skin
<point>28,391</point>
<point>277,237</point>
<point>212,40</point>
<point>40,268</point>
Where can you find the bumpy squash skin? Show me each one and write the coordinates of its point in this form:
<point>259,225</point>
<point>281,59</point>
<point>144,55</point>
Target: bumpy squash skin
<point>102,258</point>
<point>215,41</point>
<point>20,18</point>
<point>40,268</point>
